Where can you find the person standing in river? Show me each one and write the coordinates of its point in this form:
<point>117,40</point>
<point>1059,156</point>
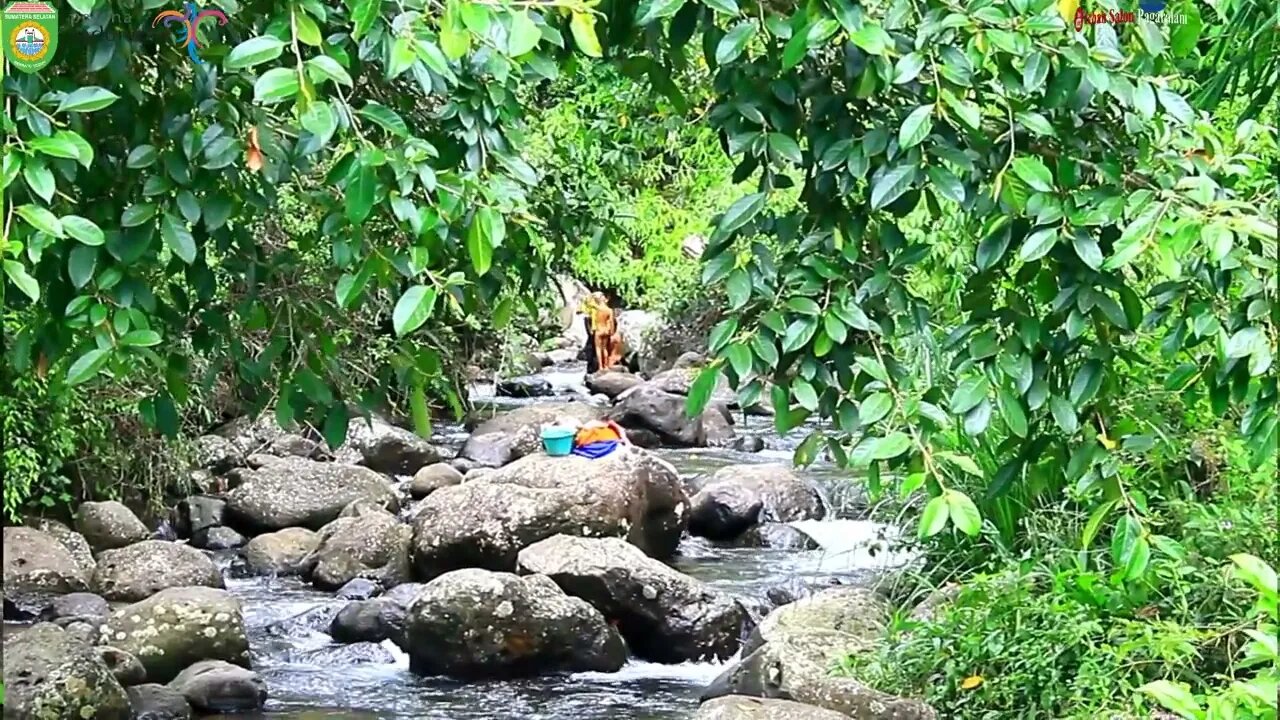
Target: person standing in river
<point>604,341</point>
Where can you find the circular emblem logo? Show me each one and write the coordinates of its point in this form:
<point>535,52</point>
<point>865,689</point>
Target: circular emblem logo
<point>29,41</point>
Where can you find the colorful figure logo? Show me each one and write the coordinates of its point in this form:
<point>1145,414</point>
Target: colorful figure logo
<point>190,24</point>
<point>30,32</point>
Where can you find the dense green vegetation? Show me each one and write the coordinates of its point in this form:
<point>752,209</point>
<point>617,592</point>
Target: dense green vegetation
<point>1022,278</point>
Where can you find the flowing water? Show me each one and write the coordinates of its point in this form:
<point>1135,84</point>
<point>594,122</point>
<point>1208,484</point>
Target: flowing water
<point>304,685</point>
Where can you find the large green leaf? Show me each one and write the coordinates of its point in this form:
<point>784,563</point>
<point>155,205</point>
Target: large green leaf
<point>969,393</point>
<point>175,234</point>
<point>735,41</point>
<point>524,35</point>
<point>891,185</point>
<point>253,51</point>
<point>87,99</point>
<point>651,10</point>
<point>275,85</point>
<point>741,212</point>
<point>360,193</point>
<point>916,127</point>
<point>87,366</point>
<point>413,309</point>
<point>82,229</point>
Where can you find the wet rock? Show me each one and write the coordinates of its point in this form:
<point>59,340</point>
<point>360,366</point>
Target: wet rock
<point>158,702</point>
<point>143,569</point>
<point>739,497</point>
<point>359,589</point>
<point>87,631</point>
<point>217,454</point>
<point>373,546</point>
<point>562,357</point>
<point>664,615</point>
<point>109,525</point>
<point>126,668</point>
<point>297,492</point>
<point>179,626</point>
<point>647,407</point>
<point>749,443</point>
<point>77,605</point>
<point>518,433</point>
<point>313,620</point>
<point>775,535</point>
<point>73,541</point>
<point>791,653</point>
<point>341,656</point>
<point>379,445</point>
<point>463,465</point>
<point>477,624</point>
<point>164,530</point>
<point>688,360</point>
<point>215,686</point>
<point>252,435</point>
<point>49,674</point>
<point>37,568</point>
<point>217,538</point>
<point>678,381</point>
<point>198,512</point>
<point>612,383</point>
<point>281,552</point>
<point>485,523</point>
<point>717,425</point>
<point>638,329</point>
<point>526,386</point>
<point>738,707</point>
<point>366,620</point>
<point>297,446</point>
<point>432,478</point>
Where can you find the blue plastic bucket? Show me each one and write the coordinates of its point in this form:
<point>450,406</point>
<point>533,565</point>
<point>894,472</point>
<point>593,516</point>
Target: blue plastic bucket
<point>557,441</point>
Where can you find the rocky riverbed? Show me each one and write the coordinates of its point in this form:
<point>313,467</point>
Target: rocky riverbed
<point>465,576</point>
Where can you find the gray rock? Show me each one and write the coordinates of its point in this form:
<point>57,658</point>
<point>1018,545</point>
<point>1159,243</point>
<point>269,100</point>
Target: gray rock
<point>140,570</point>
<point>73,541</point>
<point>562,357</point>
<point>215,686</point>
<point>688,360</point>
<point>297,446</point>
<point>126,668</point>
<point>525,386</point>
<point>296,492</point>
<point>518,433</point>
<point>664,615</point>
<point>432,478</point>
<point>373,546</point>
<point>109,525</point>
<point>738,707</point>
<point>485,523</point>
<point>281,552</point>
<point>217,454</point>
<point>77,605</point>
<point>50,675</point>
<point>739,497</point>
<point>648,407</point>
<point>378,619</point>
<point>359,589</point>
<point>198,512</point>
<point>179,626</point>
<point>158,702</point>
<point>774,535</point>
<point>217,537</point>
<point>749,443</point>
<point>612,383</point>
<point>343,656</point>
<point>379,445</point>
<point>252,435</point>
<point>37,568</point>
<point>477,624</point>
<point>791,653</point>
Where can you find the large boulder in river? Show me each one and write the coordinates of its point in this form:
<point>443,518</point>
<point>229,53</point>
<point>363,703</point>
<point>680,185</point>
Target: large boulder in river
<point>299,492</point>
<point>143,569</point>
<point>480,624</point>
<point>215,686</point>
<point>612,383</point>
<point>197,512</point>
<point>179,626</point>
<point>73,541</point>
<point>664,615</point>
<point>373,545</point>
<point>524,386</point>
<point>37,568</point>
<point>647,407</point>
<point>50,675</point>
<point>515,434</point>
<point>379,445</point>
<point>153,701</point>
<point>790,655</point>
<point>739,497</point>
<point>282,552</point>
<point>484,523</point>
<point>376,619</point>
<point>109,525</point>
<point>432,478</point>
<point>738,707</point>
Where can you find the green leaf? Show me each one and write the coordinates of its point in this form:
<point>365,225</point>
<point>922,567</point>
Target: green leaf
<point>765,349</point>
<point>39,178</point>
<point>651,10</point>
<point>23,280</point>
<point>872,38</point>
<point>799,333</point>
<point>1035,71</point>
<point>1034,173</point>
<point>360,192</point>
<point>475,17</point>
<point>934,517</point>
<point>335,425</point>
<point>787,147</point>
<point>323,67</point>
<point>963,512</point>
<point>1124,540</point>
<point>891,185</point>
<point>583,27</point>
<point>1175,105</point>
<point>275,85</point>
<point>1256,572</point>
<point>739,359</point>
<point>384,116</point>
<point>254,51</point>
<point>1242,342</point>
<point>524,35</point>
<point>1095,522</point>
<point>735,41</point>
<point>804,305</point>
<point>178,238</point>
<point>946,183</point>
<point>403,55</point>
<point>363,15</point>
<point>993,247</point>
<point>12,163</point>
<point>480,242</point>
<point>908,68</point>
<point>87,365</point>
<point>804,394</point>
<point>916,127</point>
<point>413,309</point>
<point>835,328</point>
<point>969,393</point>
<point>874,408</point>
<point>1086,382</point>
<point>141,157</point>
<point>1011,410</point>
<point>40,219</point>
<point>60,145</point>
<point>964,462</point>
<point>1174,696</point>
<point>1064,414</point>
<point>738,288</point>
<point>87,99</point>
<point>795,50</point>
<point>722,333</point>
<point>83,230</point>
<point>141,338</point>
<point>307,30</point>
<point>890,446</point>
<point>1087,250</point>
<point>741,212</point>
<point>700,390</point>
<point>1038,244</point>
<point>724,7</point>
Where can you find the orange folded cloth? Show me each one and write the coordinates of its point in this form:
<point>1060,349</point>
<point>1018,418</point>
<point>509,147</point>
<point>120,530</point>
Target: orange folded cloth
<point>597,432</point>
